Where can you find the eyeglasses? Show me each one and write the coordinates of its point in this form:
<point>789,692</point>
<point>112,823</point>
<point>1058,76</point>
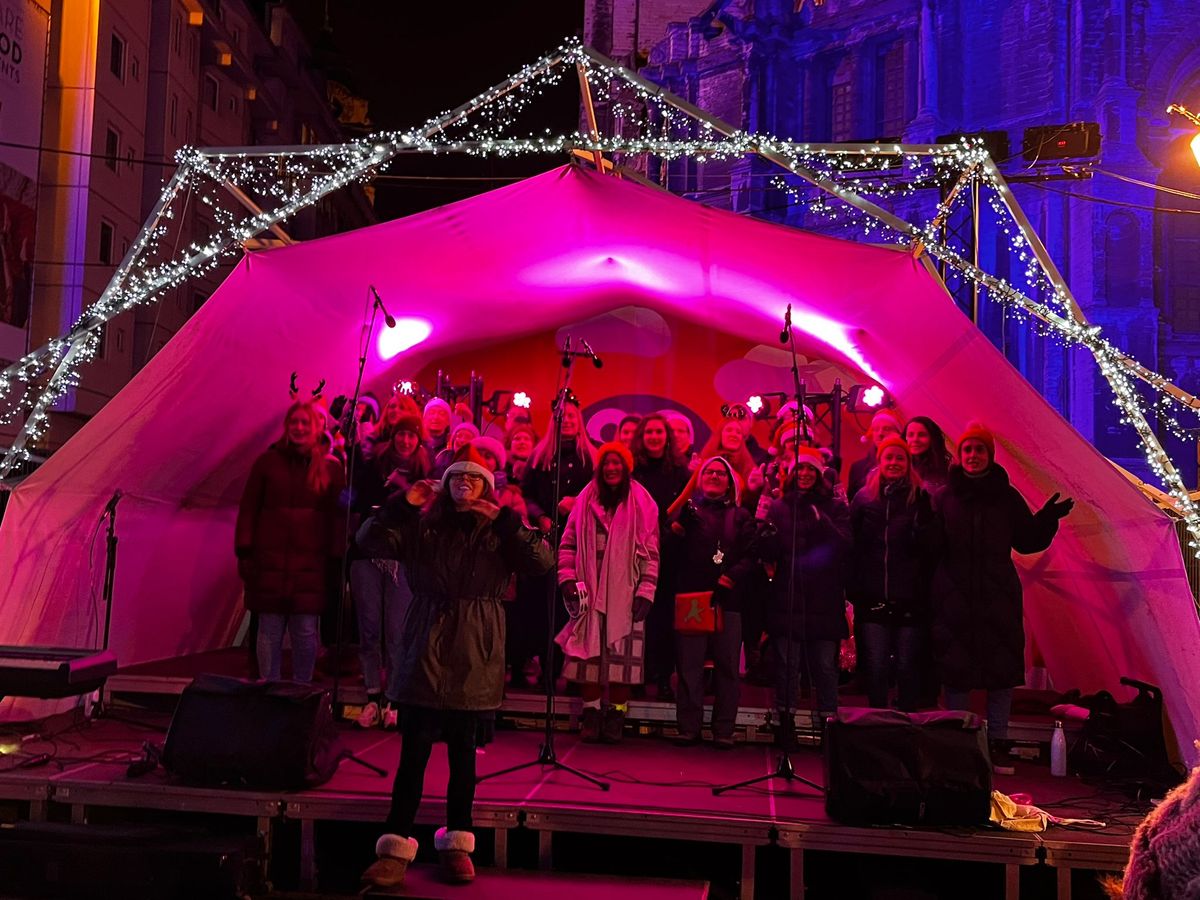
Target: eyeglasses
<point>716,473</point>
<point>467,477</point>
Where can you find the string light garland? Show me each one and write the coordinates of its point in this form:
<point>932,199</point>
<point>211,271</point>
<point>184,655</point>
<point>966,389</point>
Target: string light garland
<point>248,191</point>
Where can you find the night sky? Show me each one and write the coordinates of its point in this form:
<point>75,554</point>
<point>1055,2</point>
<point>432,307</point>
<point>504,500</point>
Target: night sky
<point>414,60</point>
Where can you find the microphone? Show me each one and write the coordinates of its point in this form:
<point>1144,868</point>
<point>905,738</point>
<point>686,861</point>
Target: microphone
<point>596,361</point>
<point>787,325</point>
<point>110,508</point>
<point>388,319</point>
<point>567,353</point>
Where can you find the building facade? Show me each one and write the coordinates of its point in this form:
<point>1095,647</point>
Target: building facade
<point>851,70</point>
<point>130,82</point>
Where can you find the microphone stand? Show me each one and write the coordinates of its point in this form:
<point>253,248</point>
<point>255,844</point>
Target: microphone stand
<point>784,770</point>
<point>546,755</point>
<point>352,441</point>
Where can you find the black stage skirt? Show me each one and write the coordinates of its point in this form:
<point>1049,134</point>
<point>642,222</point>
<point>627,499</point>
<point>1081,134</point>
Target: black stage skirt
<point>448,725</point>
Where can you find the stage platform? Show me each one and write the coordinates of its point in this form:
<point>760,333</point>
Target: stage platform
<point>649,715</point>
<point>660,795</point>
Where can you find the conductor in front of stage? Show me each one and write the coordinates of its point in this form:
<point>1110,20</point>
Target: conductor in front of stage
<point>460,548</point>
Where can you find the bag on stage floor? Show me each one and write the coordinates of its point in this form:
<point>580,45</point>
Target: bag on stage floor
<point>891,768</point>
<point>266,735</point>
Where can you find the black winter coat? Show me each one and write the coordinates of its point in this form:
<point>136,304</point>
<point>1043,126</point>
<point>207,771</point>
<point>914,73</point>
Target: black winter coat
<point>977,631</point>
<point>889,569</point>
<point>459,570</point>
<point>822,550</point>
<point>538,484</point>
<point>710,525</point>
<point>287,534</point>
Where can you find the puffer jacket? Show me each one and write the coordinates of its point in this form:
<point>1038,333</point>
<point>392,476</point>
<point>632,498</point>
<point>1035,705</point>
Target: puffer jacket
<point>889,569</point>
<point>977,630</point>
<point>287,533</point>
<point>817,611</point>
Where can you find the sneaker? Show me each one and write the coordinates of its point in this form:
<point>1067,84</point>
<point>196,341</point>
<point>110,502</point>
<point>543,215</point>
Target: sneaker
<point>391,717</point>
<point>369,717</point>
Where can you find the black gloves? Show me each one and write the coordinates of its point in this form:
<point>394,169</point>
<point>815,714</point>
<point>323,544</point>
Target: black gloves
<point>1055,508</point>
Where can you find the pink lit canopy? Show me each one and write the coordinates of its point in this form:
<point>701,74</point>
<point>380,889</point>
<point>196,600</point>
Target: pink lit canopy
<point>1109,598</point>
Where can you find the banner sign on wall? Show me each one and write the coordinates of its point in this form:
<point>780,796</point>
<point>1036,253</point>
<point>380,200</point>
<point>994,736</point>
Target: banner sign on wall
<point>24,27</point>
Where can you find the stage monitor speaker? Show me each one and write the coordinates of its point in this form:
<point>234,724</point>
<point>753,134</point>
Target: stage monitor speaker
<point>267,735</point>
<point>891,768</point>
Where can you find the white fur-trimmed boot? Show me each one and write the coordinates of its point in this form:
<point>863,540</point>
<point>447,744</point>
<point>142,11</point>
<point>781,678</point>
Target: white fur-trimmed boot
<point>395,853</point>
<point>454,850</point>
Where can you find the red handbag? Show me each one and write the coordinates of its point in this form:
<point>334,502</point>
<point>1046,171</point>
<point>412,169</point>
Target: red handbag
<point>695,613</point>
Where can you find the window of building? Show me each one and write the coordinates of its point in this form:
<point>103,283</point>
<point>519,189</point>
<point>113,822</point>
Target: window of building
<point>119,340</point>
<point>210,92</point>
<point>172,113</point>
<point>235,37</point>
<point>129,158</point>
<point>187,127</point>
<point>193,50</point>
<point>101,341</point>
<point>841,111</point>
<point>177,34</point>
<point>890,116</point>
<point>107,239</point>
<point>1178,247</point>
<point>135,68</point>
<point>112,147</point>
<point>116,56</point>
<point>197,301</point>
<point>231,102</point>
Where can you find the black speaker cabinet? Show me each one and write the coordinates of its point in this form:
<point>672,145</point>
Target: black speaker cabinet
<point>884,767</point>
<point>266,735</point>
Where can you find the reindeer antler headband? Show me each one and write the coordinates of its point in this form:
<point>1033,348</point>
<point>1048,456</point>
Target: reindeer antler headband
<point>295,391</point>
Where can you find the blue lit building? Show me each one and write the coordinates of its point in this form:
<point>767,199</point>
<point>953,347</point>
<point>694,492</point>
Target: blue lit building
<point>850,70</point>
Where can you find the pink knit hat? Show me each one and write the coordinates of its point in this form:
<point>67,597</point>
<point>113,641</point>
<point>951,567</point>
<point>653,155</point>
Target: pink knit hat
<point>1164,858</point>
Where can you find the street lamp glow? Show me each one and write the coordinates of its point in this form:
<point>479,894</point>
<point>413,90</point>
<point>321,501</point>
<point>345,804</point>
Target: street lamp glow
<point>1181,110</point>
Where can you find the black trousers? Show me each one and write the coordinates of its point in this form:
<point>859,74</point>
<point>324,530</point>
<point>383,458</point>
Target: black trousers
<point>416,745</point>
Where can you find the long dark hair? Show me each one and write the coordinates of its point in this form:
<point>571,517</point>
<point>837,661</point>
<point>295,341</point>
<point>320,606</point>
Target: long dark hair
<point>672,455</point>
<point>612,497</point>
<point>936,460</point>
<point>441,510</point>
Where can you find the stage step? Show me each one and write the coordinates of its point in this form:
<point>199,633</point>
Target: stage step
<point>423,883</point>
<point>157,862</point>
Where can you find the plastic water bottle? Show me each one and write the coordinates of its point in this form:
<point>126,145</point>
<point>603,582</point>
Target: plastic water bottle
<point>1058,751</point>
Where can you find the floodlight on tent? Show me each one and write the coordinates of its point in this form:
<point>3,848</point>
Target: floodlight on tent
<point>522,399</point>
<point>864,398</point>
<point>755,402</point>
<point>404,387</point>
<point>407,334</point>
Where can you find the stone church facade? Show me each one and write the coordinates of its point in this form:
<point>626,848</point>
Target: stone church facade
<point>867,70</point>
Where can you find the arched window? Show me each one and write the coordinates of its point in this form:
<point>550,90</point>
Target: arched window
<point>1122,260</point>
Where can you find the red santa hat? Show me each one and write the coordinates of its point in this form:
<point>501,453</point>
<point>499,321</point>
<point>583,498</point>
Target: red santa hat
<point>810,456</point>
<point>468,460</point>
<point>492,446</point>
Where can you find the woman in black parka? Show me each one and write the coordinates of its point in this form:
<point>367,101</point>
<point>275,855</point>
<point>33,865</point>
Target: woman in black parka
<point>806,625</point>
<point>977,630</point>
